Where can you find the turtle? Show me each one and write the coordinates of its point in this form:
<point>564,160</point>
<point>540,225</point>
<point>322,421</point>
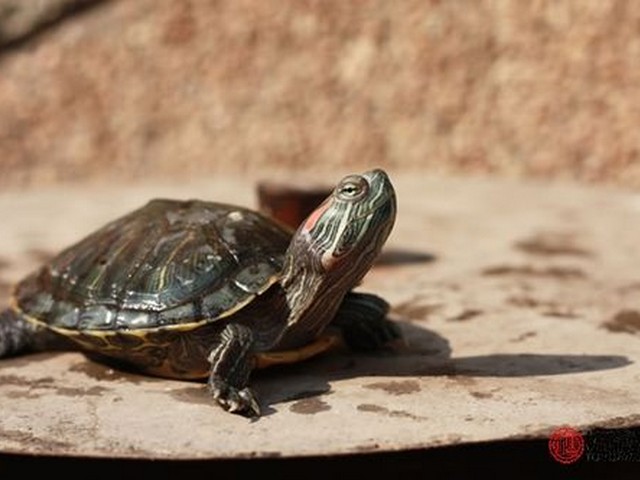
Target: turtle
<point>191,289</point>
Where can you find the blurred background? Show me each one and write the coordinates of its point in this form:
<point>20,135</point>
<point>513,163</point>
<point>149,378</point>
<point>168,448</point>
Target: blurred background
<point>103,90</point>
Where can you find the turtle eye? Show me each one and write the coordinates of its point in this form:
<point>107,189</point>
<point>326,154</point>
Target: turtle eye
<point>353,187</point>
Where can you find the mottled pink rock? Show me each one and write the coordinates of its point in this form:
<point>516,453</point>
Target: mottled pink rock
<point>184,89</point>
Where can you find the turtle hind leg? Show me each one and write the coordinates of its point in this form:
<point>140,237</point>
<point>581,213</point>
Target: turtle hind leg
<point>363,323</point>
<point>231,364</point>
<point>18,336</point>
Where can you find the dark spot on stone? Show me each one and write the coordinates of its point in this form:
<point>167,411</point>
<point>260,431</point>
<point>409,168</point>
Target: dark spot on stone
<point>524,336</point>
<point>29,440</point>
<point>369,407</point>
<point>552,244</point>
<point>524,301</point>
<point>372,408</point>
<point>44,381</point>
<point>560,313</point>
<point>401,387</point>
<point>466,315</point>
<point>32,388</point>
<point>481,395</point>
<point>414,311</point>
<point>18,394</point>
<point>552,309</point>
<point>196,394</point>
<point>264,454</point>
<point>367,448</point>
<point>395,256</point>
<point>625,321</point>
<point>560,273</point>
<point>94,391</point>
<point>309,406</point>
<point>25,382</point>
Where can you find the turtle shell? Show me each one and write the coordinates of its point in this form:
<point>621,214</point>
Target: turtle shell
<point>169,263</point>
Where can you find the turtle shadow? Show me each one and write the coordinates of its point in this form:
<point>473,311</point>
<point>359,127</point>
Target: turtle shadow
<point>403,256</point>
<point>426,354</point>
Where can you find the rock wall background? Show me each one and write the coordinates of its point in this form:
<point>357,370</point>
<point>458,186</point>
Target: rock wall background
<point>124,89</point>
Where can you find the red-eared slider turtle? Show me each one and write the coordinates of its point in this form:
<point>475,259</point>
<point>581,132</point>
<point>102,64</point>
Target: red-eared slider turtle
<point>190,289</point>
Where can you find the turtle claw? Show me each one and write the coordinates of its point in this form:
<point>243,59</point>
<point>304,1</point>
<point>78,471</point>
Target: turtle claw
<point>242,401</point>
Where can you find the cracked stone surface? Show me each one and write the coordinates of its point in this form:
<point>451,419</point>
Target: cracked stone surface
<point>520,305</point>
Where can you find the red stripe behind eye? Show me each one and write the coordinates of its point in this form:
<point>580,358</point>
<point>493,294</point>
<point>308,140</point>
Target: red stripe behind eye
<point>312,219</point>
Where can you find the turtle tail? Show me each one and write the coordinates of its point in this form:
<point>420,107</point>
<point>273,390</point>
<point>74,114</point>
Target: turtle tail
<point>17,336</point>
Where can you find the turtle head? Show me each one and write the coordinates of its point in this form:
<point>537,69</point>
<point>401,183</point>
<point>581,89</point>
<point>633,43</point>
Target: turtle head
<point>346,232</point>
<point>341,238</point>
<point>335,247</point>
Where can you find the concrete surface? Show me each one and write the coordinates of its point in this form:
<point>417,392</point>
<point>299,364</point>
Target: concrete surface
<point>520,303</point>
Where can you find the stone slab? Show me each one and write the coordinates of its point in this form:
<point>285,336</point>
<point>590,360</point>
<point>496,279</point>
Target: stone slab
<point>519,303</point>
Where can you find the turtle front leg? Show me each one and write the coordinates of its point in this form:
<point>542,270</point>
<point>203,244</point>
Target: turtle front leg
<point>231,363</point>
<point>362,320</point>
